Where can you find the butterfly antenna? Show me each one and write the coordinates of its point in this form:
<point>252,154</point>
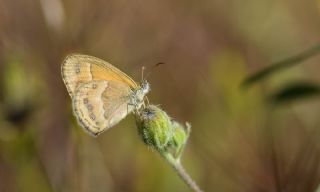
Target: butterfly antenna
<point>142,72</point>
<point>153,67</point>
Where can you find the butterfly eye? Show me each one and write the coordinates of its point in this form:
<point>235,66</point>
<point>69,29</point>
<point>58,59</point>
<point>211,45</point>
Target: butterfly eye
<point>145,87</point>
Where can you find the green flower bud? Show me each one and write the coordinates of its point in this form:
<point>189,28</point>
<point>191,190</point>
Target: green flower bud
<point>154,127</point>
<point>180,137</point>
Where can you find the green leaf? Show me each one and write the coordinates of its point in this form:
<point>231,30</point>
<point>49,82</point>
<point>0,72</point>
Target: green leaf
<point>295,91</point>
<point>281,65</point>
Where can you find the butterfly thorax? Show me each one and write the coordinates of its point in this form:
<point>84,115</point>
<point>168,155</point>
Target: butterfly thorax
<point>139,93</point>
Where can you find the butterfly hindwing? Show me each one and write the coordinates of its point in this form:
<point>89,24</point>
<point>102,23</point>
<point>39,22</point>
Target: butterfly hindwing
<point>101,104</point>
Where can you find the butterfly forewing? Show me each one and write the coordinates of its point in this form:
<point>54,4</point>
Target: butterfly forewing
<point>100,105</point>
<point>78,69</point>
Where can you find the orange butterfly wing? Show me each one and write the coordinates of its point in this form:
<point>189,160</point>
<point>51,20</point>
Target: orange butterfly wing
<point>78,69</point>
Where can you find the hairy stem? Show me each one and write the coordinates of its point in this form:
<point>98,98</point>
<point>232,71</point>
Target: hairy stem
<point>175,163</point>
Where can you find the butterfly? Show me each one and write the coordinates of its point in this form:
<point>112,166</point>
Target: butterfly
<point>101,94</point>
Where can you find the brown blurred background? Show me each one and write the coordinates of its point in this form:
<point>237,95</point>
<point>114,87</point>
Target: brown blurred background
<point>239,141</point>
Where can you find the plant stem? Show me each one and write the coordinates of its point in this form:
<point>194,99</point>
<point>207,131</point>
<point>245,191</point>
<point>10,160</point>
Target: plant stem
<point>175,163</point>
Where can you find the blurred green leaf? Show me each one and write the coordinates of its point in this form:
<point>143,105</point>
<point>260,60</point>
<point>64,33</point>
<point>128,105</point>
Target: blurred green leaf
<point>281,65</point>
<point>295,91</point>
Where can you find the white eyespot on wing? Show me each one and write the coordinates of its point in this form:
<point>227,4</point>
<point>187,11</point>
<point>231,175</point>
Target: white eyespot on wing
<point>99,105</point>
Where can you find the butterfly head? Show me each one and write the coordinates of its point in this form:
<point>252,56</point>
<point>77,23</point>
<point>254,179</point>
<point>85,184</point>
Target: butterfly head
<point>145,87</point>
<point>140,93</point>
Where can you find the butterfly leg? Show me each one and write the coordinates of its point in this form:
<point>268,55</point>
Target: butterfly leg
<point>131,104</point>
<point>147,100</point>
